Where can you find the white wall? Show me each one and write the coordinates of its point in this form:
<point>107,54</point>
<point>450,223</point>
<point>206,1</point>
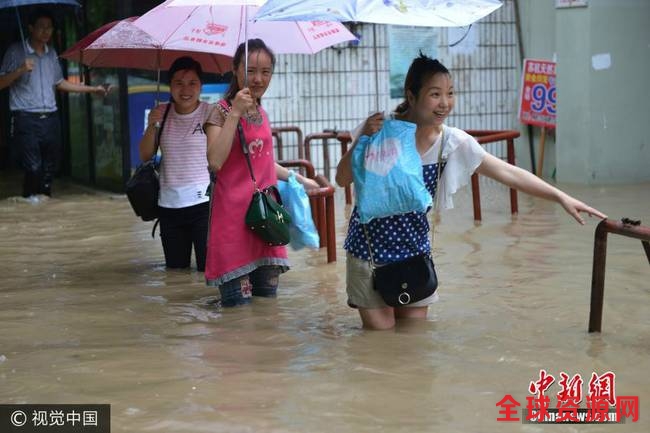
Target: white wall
<point>604,114</point>
<point>601,135</point>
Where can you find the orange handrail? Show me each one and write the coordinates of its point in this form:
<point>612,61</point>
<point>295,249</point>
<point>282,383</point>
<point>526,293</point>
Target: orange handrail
<point>623,228</point>
<point>324,137</point>
<point>322,206</point>
<point>277,132</point>
<point>484,137</point>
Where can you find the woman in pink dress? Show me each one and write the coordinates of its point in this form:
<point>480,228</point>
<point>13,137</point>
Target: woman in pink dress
<point>238,262</point>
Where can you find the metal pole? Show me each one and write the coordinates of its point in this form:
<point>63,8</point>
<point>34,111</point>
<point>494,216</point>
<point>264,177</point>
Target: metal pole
<point>634,230</point>
<point>245,46</point>
<point>520,44</point>
<point>22,33</point>
<point>375,50</point>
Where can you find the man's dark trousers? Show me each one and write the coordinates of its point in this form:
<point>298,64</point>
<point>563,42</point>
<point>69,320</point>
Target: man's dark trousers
<point>38,136</point>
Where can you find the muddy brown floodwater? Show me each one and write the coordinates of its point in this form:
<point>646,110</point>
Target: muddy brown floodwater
<point>90,315</point>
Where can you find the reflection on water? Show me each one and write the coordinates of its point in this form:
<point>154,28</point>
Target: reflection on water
<point>90,315</point>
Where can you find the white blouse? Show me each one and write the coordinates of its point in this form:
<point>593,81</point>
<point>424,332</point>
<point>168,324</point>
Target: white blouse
<point>462,154</point>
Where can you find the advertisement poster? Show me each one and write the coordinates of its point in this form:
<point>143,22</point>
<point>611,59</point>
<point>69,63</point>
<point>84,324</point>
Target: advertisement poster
<point>538,102</point>
<point>404,44</point>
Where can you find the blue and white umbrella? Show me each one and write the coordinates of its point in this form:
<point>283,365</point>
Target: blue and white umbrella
<point>428,13</point>
<point>6,4</point>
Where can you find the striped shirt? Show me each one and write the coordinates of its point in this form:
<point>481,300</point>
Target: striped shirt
<point>184,176</point>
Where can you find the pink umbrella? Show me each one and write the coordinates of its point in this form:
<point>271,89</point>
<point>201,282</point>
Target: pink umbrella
<point>120,44</point>
<point>222,26</point>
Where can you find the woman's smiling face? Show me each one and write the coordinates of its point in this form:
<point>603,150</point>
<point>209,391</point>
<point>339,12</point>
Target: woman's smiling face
<point>434,101</point>
<point>185,87</point>
<point>260,70</point>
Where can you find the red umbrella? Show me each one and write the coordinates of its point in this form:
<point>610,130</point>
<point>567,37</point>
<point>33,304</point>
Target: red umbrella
<point>75,52</point>
<point>120,44</point>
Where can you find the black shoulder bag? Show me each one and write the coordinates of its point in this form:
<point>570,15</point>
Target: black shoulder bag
<point>143,187</point>
<point>410,280</point>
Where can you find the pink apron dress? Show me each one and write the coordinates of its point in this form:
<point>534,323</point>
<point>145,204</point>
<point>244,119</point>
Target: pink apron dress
<point>233,249</point>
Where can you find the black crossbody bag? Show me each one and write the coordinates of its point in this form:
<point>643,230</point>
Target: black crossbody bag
<point>143,187</point>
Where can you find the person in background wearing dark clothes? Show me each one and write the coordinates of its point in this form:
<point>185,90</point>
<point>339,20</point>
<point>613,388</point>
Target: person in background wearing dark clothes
<point>32,71</point>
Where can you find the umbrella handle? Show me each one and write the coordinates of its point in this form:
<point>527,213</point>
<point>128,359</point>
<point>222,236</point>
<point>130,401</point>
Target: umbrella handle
<point>22,33</point>
<point>375,52</point>
<point>245,46</point>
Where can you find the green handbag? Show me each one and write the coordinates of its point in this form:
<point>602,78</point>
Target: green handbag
<point>267,218</point>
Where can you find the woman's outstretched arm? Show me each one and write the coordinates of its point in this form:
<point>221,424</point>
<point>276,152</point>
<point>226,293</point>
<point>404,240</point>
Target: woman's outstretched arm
<point>524,181</point>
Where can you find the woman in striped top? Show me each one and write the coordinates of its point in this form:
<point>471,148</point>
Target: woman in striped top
<point>184,177</point>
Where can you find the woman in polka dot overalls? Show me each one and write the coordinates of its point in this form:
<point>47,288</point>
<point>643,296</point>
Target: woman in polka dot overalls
<point>429,98</point>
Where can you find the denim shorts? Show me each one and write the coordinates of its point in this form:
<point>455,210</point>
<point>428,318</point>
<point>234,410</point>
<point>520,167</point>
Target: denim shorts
<point>263,282</point>
<point>359,286</point>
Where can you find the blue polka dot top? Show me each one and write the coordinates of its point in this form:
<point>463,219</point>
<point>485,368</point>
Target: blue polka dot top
<point>396,237</point>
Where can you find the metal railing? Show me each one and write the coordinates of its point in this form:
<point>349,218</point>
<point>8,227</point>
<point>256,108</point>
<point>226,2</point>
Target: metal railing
<point>324,139</point>
<point>625,227</point>
<point>278,133</point>
<point>322,205</point>
<point>485,137</point>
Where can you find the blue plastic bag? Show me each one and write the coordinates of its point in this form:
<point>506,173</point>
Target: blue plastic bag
<point>295,201</point>
<point>387,173</point>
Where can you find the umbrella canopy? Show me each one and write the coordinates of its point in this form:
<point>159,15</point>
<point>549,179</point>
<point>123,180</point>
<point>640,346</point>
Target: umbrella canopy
<point>6,4</point>
<point>429,13</point>
<point>222,28</point>
<point>120,44</point>
<point>75,52</point>
<point>12,3</point>
<point>214,2</point>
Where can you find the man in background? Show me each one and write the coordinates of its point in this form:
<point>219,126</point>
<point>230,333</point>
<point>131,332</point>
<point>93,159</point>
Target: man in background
<point>32,72</point>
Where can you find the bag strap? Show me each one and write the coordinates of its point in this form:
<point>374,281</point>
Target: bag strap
<point>153,230</point>
<point>443,140</point>
<point>156,143</point>
<point>242,142</point>
<point>156,140</point>
<point>244,148</point>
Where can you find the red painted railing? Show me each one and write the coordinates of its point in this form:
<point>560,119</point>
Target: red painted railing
<point>625,227</point>
<point>322,205</point>
<point>278,132</point>
<point>484,137</point>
